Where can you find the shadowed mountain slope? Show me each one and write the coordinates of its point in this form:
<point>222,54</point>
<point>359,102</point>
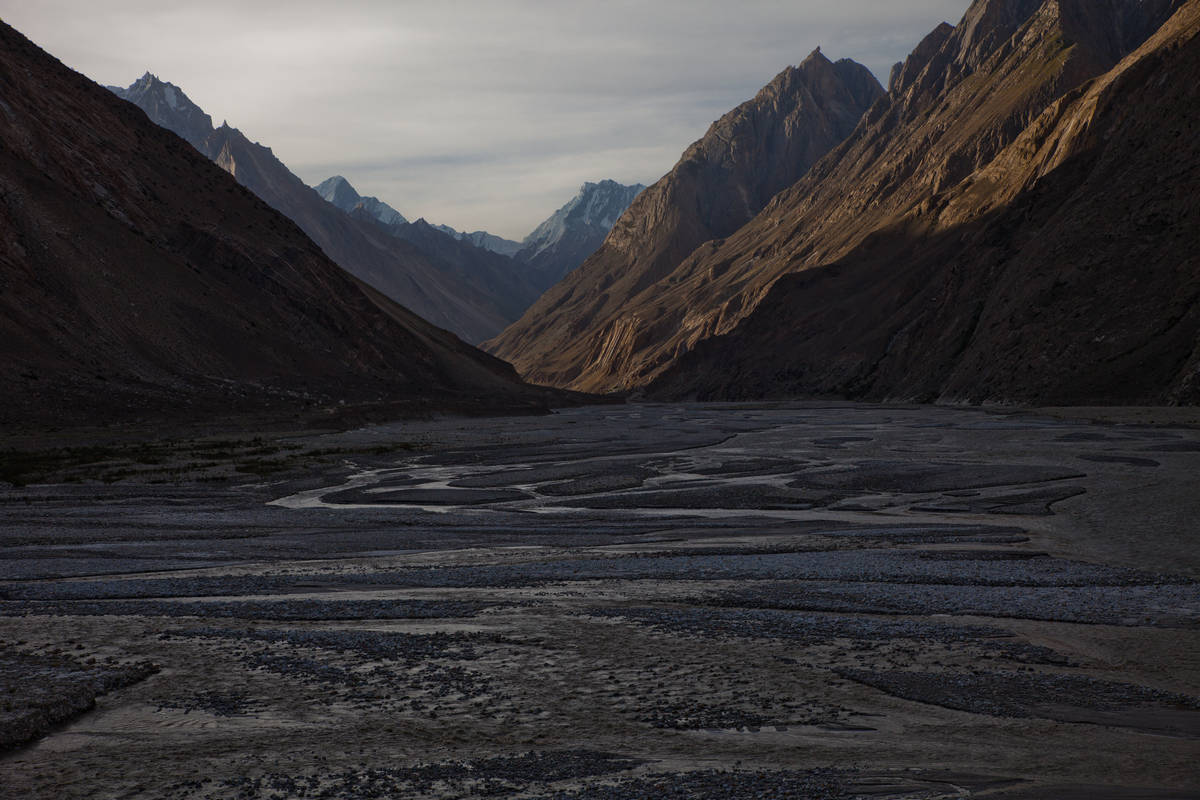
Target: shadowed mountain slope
<point>721,181</point>
<point>438,291</point>
<point>138,279</point>
<point>497,276</point>
<point>1052,259</point>
<point>401,270</point>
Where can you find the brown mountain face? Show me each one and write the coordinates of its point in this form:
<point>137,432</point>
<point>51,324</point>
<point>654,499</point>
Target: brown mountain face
<point>964,95</point>
<point>582,332</point>
<point>1061,268</point>
<point>475,303</point>
<point>139,279</point>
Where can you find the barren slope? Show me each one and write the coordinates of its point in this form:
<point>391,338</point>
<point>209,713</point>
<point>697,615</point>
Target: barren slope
<point>964,95</point>
<point>721,181</point>
<point>475,306</point>
<point>137,278</point>
<point>1064,271</point>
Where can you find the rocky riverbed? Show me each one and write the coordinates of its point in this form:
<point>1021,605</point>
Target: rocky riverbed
<point>821,600</point>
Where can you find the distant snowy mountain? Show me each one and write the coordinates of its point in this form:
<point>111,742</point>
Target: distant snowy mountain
<point>575,231</point>
<point>488,241</point>
<point>338,191</point>
<point>167,106</point>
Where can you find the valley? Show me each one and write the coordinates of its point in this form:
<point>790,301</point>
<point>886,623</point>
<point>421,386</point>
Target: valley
<point>854,458</point>
<point>714,601</point>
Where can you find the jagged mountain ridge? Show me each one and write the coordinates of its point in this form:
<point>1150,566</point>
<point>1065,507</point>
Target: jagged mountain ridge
<point>1061,270</point>
<point>430,287</point>
<point>418,280</point>
<point>139,280</point>
<point>168,106</point>
<point>572,233</point>
<point>337,190</point>
<point>720,183</point>
<point>555,247</point>
<point>964,95</point>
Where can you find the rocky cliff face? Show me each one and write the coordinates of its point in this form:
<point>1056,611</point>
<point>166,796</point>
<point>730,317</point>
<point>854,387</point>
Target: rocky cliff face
<point>337,190</point>
<point>963,97</point>
<point>720,183</point>
<point>1023,229</point>
<point>137,279</point>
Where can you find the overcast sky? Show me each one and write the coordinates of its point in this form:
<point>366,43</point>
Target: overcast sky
<point>480,114</point>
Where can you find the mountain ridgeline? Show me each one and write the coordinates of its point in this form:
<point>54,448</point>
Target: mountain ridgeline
<point>578,332</point>
<point>1014,223</point>
<point>1013,220</point>
<point>140,281</point>
<point>575,231</point>
<point>1010,222</point>
<point>466,283</point>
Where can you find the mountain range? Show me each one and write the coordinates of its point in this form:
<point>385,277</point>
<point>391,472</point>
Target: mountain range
<point>140,280</point>
<point>1035,252</point>
<point>580,331</point>
<point>1013,220</point>
<point>463,282</point>
<point>1008,223</point>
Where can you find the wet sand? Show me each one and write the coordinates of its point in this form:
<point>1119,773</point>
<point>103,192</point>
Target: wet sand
<point>754,600</point>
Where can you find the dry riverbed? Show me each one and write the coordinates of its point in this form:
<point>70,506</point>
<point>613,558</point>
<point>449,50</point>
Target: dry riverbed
<point>821,600</point>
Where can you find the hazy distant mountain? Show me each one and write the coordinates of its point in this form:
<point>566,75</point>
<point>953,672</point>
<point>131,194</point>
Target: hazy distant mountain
<point>338,191</point>
<point>139,280</point>
<point>167,105</point>
<point>488,241</point>
<point>583,330</point>
<point>575,231</point>
<point>556,246</point>
<point>440,291</point>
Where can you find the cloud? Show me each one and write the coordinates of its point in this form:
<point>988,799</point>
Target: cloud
<point>474,113</point>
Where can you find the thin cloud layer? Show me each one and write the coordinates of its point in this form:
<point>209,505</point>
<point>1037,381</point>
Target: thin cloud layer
<point>473,113</point>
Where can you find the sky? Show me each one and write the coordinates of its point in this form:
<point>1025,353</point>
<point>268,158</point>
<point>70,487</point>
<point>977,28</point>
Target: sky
<point>479,114</point>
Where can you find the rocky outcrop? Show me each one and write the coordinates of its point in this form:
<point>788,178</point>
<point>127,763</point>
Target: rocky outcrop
<point>572,233</point>
<point>139,280</point>
<point>1045,256</point>
<point>719,184</point>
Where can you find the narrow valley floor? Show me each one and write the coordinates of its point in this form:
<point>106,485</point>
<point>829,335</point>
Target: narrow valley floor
<point>773,600</point>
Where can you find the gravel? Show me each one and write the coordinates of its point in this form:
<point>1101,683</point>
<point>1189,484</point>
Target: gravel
<point>41,690</point>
